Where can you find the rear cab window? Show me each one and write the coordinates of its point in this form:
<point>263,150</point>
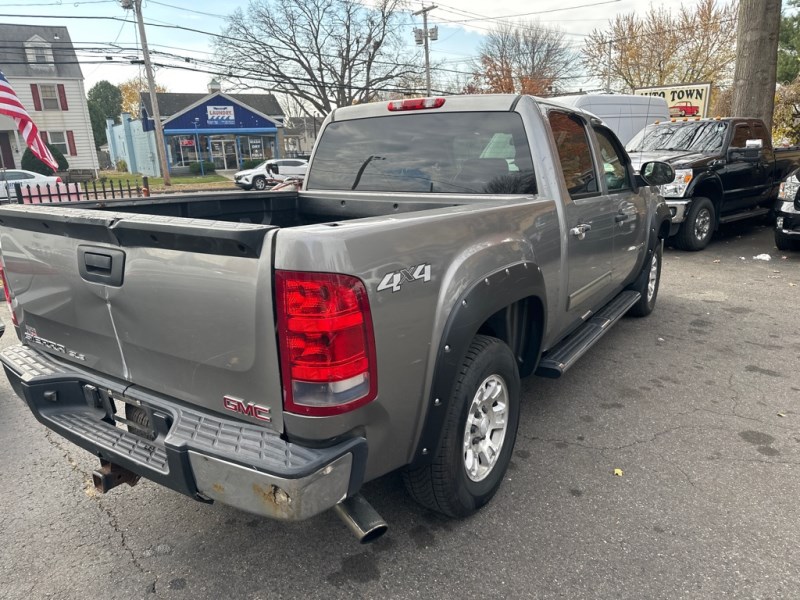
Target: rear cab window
<point>453,153</point>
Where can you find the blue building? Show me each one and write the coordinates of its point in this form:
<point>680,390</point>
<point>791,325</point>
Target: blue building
<point>225,129</point>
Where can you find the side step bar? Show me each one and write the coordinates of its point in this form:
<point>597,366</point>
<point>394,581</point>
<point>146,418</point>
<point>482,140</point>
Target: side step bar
<point>564,354</point>
<point>747,214</point>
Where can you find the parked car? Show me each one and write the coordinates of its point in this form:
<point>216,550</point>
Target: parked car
<point>8,177</point>
<point>725,170</point>
<point>684,109</point>
<point>625,114</point>
<point>787,212</point>
<point>270,172</point>
<point>277,351</point>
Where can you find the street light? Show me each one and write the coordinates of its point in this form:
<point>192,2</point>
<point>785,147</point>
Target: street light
<point>197,147</point>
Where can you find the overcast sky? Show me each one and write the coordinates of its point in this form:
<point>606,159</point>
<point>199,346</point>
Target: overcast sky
<point>462,24</point>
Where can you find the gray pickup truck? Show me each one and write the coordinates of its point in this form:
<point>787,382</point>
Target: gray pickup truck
<point>274,351</point>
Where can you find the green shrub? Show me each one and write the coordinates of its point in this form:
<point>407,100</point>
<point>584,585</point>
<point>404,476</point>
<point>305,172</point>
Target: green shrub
<point>208,167</point>
<point>31,163</point>
<point>251,163</point>
<point>122,166</point>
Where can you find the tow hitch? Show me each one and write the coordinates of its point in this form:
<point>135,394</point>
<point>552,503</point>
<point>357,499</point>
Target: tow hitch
<point>109,476</point>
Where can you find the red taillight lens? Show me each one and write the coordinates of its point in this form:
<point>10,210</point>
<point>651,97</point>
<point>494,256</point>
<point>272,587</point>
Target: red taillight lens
<point>326,342</point>
<point>416,104</point>
<point>58,180</point>
<point>7,294</point>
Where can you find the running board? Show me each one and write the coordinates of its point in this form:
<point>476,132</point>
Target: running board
<point>564,354</point>
<point>747,214</point>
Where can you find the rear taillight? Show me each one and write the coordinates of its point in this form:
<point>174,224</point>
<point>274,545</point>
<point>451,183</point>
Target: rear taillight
<point>7,293</point>
<point>58,180</point>
<point>416,104</point>
<point>326,342</point>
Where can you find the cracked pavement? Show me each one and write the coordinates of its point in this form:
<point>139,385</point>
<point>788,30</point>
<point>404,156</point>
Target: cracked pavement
<point>698,405</point>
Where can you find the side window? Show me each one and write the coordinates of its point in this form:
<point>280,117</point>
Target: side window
<point>740,135</point>
<point>574,153</point>
<point>760,133</point>
<point>615,172</point>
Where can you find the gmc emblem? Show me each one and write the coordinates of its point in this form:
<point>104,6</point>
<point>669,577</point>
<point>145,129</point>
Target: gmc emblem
<point>251,410</point>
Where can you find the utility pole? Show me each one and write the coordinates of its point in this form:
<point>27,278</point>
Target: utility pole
<point>608,71</point>
<point>161,146</point>
<point>422,37</point>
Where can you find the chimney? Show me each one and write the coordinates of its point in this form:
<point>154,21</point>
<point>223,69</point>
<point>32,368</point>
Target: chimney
<point>214,86</point>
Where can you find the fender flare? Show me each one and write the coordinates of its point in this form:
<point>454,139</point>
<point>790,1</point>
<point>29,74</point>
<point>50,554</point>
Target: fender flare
<point>482,300</point>
<point>703,179</point>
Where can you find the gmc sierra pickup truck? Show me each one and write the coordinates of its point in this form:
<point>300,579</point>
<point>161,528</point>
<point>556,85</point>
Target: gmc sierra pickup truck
<point>274,351</point>
<point>725,170</point>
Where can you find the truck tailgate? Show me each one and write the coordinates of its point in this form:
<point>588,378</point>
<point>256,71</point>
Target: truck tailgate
<point>181,307</point>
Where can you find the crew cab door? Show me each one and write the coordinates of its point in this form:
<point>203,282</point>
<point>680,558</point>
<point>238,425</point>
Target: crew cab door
<point>630,231</point>
<point>744,181</point>
<point>589,216</point>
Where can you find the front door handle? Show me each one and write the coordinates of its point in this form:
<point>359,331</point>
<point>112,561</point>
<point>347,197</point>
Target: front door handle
<point>579,231</point>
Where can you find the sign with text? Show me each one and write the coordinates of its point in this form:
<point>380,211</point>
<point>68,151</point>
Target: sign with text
<point>220,115</point>
<point>684,100</point>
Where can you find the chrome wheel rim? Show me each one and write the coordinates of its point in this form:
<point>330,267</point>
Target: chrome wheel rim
<point>260,184</point>
<point>652,279</point>
<point>702,224</point>
<point>486,427</point>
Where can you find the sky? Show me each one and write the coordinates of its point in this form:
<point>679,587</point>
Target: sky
<point>461,23</point>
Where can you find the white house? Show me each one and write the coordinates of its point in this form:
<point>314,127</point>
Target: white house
<point>40,64</point>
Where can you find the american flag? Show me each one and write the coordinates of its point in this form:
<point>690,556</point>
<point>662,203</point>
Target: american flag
<point>12,107</point>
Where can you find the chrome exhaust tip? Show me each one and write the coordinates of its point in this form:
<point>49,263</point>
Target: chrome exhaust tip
<point>363,520</point>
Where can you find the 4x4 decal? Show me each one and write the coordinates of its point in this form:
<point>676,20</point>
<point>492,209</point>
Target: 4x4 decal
<point>393,281</point>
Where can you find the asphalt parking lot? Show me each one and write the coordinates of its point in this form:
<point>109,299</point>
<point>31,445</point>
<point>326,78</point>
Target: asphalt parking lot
<point>698,406</point>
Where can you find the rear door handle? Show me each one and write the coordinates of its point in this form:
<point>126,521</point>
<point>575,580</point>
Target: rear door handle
<point>101,265</point>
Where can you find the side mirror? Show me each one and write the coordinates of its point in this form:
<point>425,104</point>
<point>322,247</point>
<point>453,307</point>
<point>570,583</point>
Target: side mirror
<point>656,173</point>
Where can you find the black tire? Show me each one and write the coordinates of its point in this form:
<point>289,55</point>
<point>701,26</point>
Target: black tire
<point>784,242</point>
<point>445,485</point>
<point>260,183</point>
<point>139,415</point>
<point>698,228</point>
<point>651,272</point>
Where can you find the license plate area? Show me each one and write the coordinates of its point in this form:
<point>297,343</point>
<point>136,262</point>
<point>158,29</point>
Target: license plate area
<point>124,413</point>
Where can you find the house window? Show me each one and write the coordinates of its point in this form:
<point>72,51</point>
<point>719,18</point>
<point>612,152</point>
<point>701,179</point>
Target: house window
<point>40,55</point>
<point>58,139</point>
<point>49,94</point>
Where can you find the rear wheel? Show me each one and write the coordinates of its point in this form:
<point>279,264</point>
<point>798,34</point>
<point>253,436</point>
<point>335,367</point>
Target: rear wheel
<point>478,435</point>
<point>260,183</point>
<point>698,228</point>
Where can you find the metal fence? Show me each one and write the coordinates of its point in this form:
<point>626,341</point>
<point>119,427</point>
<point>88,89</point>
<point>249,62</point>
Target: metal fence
<point>50,193</point>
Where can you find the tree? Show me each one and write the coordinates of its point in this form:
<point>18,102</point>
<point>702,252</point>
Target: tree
<point>756,59</point>
<point>659,48</point>
<point>325,53</point>
<point>105,102</point>
<point>525,58</point>
<point>789,45</point>
<point>131,91</point>
<point>785,125</point>
<point>30,162</point>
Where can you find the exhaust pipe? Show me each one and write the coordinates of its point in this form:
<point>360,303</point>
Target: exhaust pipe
<point>109,476</point>
<point>361,518</point>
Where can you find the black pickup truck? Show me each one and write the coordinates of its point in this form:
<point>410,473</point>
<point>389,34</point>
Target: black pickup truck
<point>725,170</point>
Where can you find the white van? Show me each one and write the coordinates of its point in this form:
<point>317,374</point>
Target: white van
<point>625,114</point>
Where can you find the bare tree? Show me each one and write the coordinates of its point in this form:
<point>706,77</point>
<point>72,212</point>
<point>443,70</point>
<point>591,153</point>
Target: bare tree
<point>660,48</point>
<point>324,53</point>
<point>756,59</point>
<point>525,58</point>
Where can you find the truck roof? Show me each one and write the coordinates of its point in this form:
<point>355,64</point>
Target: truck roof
<point>466,103</point>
